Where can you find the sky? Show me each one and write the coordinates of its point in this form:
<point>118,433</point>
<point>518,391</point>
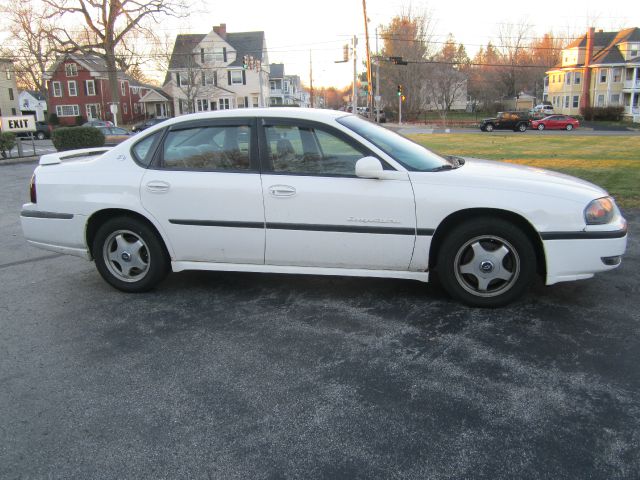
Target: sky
<point>296,29</point>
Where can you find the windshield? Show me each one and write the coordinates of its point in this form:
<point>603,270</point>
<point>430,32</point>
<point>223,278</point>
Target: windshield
<point>409,154</point>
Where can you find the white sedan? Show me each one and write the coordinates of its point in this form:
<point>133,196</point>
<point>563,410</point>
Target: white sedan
<point>317,192</point>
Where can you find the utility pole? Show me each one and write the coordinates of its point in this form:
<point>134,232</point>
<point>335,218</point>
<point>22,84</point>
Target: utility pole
<point>310,79</point>
<point>355,76</point>
<point>399,109</point>
<point>376,105</point>
<point>366,35</point>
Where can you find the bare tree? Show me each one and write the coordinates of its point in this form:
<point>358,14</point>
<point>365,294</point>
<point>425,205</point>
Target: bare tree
<point>32,47</point>
<point>106,25</point>
<point>514,55</point>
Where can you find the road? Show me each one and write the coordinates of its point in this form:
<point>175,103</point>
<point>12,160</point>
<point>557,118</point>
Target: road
<point>235,376</point>
<point>35,148</point>
<point>417,129</point>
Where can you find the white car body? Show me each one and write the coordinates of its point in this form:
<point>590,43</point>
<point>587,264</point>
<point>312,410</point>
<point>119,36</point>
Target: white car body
<point>266,222</point>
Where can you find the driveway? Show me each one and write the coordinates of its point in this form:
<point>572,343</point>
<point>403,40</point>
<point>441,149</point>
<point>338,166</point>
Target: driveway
<point>235,376</point>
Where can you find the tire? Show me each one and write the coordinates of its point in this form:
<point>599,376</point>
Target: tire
<point>40,136</point>
<point>147,263</point>
<point>486,262</point>
<point>569,127</point>
<point>522,127</point>
<point>488,128</point>
<point>541,127</point>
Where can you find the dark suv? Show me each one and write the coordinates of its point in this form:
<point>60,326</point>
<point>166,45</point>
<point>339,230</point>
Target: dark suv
<point>516,121</point>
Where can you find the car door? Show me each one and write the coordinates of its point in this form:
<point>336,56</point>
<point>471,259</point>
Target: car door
<point>318,213</point>
<point>204,189</point>
<point>553,122</point>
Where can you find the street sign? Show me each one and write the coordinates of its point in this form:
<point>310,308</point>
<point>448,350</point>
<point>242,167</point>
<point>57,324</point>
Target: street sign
<point>23,123</point>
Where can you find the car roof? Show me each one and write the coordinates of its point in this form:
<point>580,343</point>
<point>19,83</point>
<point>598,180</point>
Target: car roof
<point>317,114</point>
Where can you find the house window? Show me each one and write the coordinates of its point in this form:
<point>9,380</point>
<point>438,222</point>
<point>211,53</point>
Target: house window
<point>633,52</point>
<point>224,104</point>
<point>615,99</point>
<point>577,77</point>
<point>135,108</point>
<point>134,90</point>
<point>617,73</point>
<point>124,108</point>
<point>11,94</point>
<point>576,101</point>
<point>8,75</point>
<point>57,89</point>
<point>567,78</point>
<point>183,80</point>
<point>255,102</point>
<point>13,111</point>
<point>202,55</point>
<point>603,75</point>
<point>123,90</point>
<point>71,69</point>
<point>73,88</point>
<point>218,55</point>
<point>600,101</point>
<point>91,87</point>
<point>629,75</point>
<point>203,79</point>
<point>236,77</point>
<point>546,81</point>
<point>566,101</point>
<point>67,110</point>
<point>202,105</point>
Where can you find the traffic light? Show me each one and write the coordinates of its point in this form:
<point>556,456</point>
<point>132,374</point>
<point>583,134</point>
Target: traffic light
<point>403,98</point>
<point>345,52</point>
<point>399,90</point>
<point>245,62</point>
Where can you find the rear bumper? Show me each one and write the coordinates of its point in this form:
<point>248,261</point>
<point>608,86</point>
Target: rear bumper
<point>56,231</point>
<point>580,258</point>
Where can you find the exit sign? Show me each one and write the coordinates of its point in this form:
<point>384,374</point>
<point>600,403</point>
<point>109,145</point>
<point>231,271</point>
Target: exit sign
<point>24,123</point>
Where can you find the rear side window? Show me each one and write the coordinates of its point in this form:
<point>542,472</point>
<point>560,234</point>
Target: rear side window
<point>216,148</point>
<point>142,151</point>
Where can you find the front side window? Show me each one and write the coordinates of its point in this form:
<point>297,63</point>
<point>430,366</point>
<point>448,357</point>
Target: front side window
<point>142,152</point>
<point>70,69</point>
<point>208,148</point>
<point>412,156</point>
<point>73,88</point>
<point>311,151</point>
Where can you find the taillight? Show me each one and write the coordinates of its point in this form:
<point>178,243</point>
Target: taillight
<point>32,189</point>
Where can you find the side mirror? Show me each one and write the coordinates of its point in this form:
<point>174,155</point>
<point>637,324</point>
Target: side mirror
<point>369,167</point>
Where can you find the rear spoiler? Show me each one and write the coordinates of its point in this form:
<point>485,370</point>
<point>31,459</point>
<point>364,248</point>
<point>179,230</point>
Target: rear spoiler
<point>55,158</point>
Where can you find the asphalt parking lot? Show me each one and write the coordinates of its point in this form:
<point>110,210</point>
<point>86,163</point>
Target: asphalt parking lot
<point>225,375</point>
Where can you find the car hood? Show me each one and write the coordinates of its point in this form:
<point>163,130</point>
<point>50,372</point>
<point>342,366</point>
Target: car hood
<point>495,175</point>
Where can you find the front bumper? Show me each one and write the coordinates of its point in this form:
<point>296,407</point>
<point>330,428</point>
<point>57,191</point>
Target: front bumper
<point>579,258</point>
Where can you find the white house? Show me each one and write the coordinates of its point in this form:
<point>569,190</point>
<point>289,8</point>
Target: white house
<point>218,71</point>
<point>33,103</point>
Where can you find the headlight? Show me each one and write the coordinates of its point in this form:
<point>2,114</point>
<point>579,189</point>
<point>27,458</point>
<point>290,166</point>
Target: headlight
<point>600,211</point>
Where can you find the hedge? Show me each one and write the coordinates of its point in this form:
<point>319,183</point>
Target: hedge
<point>603,113</point>
<point>7,142</point>
<point>71,138</point>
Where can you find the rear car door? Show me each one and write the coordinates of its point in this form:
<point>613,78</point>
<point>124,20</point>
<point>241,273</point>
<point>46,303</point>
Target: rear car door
<point>318,213</point>
<point>204,189</point>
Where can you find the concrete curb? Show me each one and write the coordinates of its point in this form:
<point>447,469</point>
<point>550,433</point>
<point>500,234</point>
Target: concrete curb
<point>15,161</point>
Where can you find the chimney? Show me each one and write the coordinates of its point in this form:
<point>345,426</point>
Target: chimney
<point>221,30</point>
<point>585,100</point>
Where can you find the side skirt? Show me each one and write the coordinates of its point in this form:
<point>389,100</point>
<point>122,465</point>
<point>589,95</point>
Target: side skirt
<point>343,272</point>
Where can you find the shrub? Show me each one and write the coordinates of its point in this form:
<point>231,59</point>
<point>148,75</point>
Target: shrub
<point>603,113</point>
<point>71,138</point>
<point>79,120</point>
<point>53,119</point>
<point>7,142</point>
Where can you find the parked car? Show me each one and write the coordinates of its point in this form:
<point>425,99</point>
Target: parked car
<point>516,121</point>
<point>98,123</point>
<point>148,123</point>
<point>544,109</point>
<point>321,192</point>
<point>114,135</point>
<point>43,130</point>
<point>556,122</point>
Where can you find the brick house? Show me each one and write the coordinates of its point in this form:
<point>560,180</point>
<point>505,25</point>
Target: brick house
<point>78,86</point>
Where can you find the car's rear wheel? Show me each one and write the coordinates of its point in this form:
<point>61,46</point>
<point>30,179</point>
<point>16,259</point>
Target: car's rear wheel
<point>522,127</point>
<point>569,127</point>
<point>488,128</point>
<point>541,127</point>
<point>40,135</point>
<point>486,262</point>
<point>129,255</point>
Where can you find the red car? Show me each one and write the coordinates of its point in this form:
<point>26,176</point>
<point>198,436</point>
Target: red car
<point>555,122</point>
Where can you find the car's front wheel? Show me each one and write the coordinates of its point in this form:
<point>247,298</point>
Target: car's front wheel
<point>129,255</point>
<point>569,127</point>
<point>486,262</point>
<point>40,136</point>
<point>488,128</point>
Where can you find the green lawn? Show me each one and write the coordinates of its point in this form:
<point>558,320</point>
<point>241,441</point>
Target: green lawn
<point>612,162</point>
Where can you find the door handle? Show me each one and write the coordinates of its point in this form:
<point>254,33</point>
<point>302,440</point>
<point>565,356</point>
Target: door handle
<point>282,191</point>
<point>158,186</point>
